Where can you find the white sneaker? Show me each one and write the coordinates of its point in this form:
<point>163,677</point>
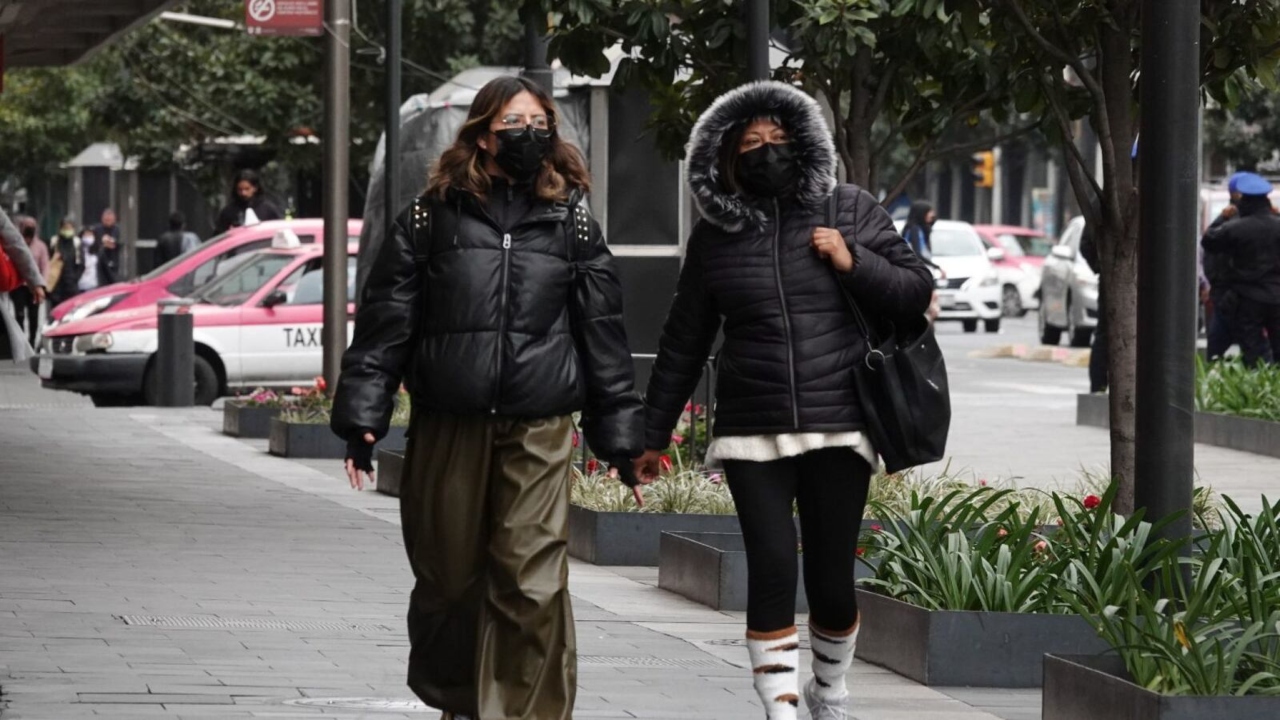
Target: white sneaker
<point>820,709</point>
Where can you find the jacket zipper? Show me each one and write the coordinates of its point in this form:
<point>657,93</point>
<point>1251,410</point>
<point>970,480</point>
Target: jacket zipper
<point>502,324</point>
<point>786,316</point>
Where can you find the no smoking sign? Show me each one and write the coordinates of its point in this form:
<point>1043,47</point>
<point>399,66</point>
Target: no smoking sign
<point>284,17</point>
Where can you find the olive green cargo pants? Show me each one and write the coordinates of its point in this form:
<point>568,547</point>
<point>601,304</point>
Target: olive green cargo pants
<point>484,504</point>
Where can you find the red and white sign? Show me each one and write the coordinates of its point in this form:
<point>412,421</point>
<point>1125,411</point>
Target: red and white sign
<point>284,17</point>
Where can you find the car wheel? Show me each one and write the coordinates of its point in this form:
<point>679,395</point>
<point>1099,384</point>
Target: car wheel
<point>1049,335</point>
<point>206,390</point>
<point>112,401</point>
<point>971,326</point>
<point>1011,302</point>
<point>992,326</point>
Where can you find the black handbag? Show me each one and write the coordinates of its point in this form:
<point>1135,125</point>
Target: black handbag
<point>901,384</point>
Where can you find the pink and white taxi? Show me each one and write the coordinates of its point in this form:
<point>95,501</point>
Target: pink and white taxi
<point>257,324</point>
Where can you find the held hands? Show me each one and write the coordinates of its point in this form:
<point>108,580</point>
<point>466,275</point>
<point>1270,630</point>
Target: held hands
<point>360,461</point>
<point>623,470</point>
<point>831,246</point>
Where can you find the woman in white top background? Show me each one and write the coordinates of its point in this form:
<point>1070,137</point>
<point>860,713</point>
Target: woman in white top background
<point>763,267</point>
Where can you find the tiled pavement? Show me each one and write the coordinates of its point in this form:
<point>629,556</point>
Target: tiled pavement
<point>114,517</point>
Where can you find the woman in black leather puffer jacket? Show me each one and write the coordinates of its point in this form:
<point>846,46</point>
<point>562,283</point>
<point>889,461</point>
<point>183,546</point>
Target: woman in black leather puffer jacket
<point>761,266</point>
<point>498,302</point>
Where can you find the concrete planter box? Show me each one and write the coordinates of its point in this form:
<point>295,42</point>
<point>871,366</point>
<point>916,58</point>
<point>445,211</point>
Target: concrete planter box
<point>633,538</point>
<point>711,568</point>
<point>390,471</point>
<point>239,419</point>
<point>305,440</point>
<point>1260,437</point>
<point>1098,688</point>
<point>973,649</point>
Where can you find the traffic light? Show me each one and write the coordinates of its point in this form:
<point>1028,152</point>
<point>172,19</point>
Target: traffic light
<point>984,169</point>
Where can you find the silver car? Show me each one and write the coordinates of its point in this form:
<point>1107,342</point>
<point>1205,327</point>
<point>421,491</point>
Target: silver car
<point>1068,292</point>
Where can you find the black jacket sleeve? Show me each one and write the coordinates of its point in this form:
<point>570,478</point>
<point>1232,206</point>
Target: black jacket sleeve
<point>386,318</point>
<point>1218,239</point>
<point>888,278</point>
<point>687,337</point>
<point>613,420</point>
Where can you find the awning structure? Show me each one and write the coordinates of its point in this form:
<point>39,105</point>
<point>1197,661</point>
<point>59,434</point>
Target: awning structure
<point>63,32</point>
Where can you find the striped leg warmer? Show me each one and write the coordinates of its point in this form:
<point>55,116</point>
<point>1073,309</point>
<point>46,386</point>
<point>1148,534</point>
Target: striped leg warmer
<point>832,656</point>
<point>775,660</point>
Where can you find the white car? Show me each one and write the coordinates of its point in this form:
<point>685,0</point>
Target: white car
<point>1068,292</point>
<point>969,287</point>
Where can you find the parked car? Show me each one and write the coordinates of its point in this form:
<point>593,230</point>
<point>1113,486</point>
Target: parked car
<point>1068,292</point>
<point>184,274</point>
<point>1019,256</point>
<point>969,286</point>
<point>256,325</point>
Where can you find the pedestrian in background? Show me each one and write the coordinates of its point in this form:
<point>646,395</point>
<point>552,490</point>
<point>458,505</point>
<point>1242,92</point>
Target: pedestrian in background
<point>1100,354</point>
<point>249,204</point>
<point>106,246</point>
<point>67,264</point>
<point>1214,287</point>
<point>764,266</point>
<point>21,268</point>
<point>919,228</point>
<point>176,241</point>
<point>1251,243</point>
<point>498,296</point>
<point>25,305</point>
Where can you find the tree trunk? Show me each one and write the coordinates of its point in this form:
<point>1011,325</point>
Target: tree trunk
<point>857,123</point>
<point>1122,336</point>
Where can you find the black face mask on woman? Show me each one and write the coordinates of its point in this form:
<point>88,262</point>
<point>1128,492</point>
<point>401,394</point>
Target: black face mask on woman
<point>768,171</point>
<point>521,152</point>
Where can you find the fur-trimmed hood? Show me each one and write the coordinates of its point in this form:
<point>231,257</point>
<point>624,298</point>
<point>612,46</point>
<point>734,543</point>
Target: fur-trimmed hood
<point>810,137</point>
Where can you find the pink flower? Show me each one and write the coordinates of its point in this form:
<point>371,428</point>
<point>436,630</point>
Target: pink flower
<point>862,551</point>
<point>715,478</point>
<point>576,440</point>
<point>876,528</point>
<point>592,466</point>
<point>982,483</point>
<point>677,439</point>
<point>1042,546</point>
<point>297,391</point>
<point>321,385</point>
<point>688,407</point>
<point>1091,502</point>
<point>1002,533</point>
<point>697,409</point>
<point>665,463</point>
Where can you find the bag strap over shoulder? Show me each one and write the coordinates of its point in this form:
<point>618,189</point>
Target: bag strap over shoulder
<point>833,207</point>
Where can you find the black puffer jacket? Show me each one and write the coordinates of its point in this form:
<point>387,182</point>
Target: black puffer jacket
<point>789,337</point>
<point>1250,246</point>
<point>483,324</point>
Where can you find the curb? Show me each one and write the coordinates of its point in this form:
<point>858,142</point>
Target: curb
<point>1035,353</point>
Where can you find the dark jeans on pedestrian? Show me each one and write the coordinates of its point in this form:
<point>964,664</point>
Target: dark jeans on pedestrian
<point>829,487</point>
<point>26,311</point>
<point>1219,336</point>
<point>1257,326</point>
<point>1100,355</point>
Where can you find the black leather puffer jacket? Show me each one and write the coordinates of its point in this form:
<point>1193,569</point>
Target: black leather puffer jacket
<point>1248,247</point>
<point>789,338</point>
<point>494,319</point>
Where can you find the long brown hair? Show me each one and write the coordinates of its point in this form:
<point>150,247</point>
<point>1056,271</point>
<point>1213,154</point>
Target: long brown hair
<point>461,166</point>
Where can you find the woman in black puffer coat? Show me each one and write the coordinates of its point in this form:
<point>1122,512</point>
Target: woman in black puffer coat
<point>498,302</point>
<point>762,267</point>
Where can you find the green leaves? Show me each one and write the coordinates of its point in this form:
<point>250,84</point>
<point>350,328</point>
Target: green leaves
<point>1230,387</point>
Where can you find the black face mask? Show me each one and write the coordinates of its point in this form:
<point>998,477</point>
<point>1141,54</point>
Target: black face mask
<point>521,152</point>
<point>768,171</point>
<point>29,233</point>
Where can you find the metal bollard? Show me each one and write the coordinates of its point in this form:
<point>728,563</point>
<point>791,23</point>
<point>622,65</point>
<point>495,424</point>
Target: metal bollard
<point>175,357</point>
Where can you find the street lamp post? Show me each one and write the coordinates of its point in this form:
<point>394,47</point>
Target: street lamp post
<point>758,39</point>
<point>337,132</point>
<point>391,154</point>
<point>1169,174</point>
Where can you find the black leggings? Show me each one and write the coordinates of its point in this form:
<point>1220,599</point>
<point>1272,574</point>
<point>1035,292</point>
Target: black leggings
<point>830,489</point>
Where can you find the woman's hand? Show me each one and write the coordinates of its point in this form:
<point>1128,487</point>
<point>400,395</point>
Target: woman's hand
<point>648,467</point>
<point>831,246</point>
<point>360,461</point>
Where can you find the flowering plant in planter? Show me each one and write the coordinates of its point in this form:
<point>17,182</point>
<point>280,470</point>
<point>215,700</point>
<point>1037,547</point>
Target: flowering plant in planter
<point>313,406</point>
<point>262,397</point>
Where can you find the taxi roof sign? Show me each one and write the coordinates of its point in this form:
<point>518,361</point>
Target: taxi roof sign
<point>285,239</point>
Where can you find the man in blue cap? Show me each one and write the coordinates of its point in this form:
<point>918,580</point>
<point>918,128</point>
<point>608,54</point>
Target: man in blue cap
<point>1214,281</point>
<point>1250,283</point>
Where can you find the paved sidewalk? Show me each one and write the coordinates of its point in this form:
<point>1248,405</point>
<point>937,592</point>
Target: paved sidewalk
<point>150,567</point>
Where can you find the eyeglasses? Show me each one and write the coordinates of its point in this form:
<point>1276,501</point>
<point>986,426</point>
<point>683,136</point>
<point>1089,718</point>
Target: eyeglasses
<point>519,122</point>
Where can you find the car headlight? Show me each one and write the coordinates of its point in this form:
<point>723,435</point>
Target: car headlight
<point>95,341</point>
<point>990,279</point>
<point>93,307</point>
